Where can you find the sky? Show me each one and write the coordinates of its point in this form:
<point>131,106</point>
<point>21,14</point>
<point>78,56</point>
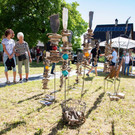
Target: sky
<point>106,11</point>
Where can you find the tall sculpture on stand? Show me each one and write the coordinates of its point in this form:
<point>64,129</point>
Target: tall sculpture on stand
<point>74,110</point>
<point>108,51</point>
<point>54,56</point>
<point>87,45</point>
<point>67,47</point>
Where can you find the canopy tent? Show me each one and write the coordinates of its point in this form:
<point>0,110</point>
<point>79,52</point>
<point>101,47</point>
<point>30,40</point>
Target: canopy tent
<point>40,44</point>
<point>121,42</point>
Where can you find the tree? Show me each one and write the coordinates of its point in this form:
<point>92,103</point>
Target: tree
<point>32,18</point>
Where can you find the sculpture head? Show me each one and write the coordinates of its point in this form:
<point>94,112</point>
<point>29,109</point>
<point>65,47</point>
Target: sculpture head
<point>90,19</point>
<point>54,23</point>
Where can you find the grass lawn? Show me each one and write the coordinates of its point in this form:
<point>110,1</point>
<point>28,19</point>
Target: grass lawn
<point>22,114</point>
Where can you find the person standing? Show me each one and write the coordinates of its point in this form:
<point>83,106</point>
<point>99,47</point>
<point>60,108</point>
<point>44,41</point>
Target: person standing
<point>23,55</point>
<point>9,54</point>
<point>38,54</point>
<point>130,62</point>
<point>95,52</point>
<point>123,63</point>
<point>114,59</point>
<point>126,59</point>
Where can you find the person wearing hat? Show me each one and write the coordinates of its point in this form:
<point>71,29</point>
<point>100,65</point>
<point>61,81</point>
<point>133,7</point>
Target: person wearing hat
<point>95,54</point>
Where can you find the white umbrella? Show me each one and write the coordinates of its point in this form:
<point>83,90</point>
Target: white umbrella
<point>124,43</point>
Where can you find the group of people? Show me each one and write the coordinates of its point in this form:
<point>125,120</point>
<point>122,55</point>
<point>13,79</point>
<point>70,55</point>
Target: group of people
<point>127,60</point>
<point>37,54</point>
<point>13,52</point>
<point>20,52</point>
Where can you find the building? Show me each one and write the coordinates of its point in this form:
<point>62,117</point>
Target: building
<point>116,30</point>
<point>100,31</point>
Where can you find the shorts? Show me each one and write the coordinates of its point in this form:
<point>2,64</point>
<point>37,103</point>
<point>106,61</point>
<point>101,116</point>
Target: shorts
<point>5,57</point>
<point>93,65</point>
<point>38,54</point>
<point>26,64</point>
<point>112,64</point>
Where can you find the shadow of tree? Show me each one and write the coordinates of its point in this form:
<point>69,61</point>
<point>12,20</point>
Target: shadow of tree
<point>30,98</point>
<point>12,126</point>
<point>95,105</point>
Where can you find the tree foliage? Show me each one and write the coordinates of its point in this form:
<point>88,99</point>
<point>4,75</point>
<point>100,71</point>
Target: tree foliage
<point>32,18</point>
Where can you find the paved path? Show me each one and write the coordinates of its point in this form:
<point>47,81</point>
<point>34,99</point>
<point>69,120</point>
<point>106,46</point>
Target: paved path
<point>38,77</point>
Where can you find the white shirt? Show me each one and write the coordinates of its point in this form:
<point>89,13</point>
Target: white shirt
<point>114,54</point>
<point>9,44</point>
<point>127,59</point>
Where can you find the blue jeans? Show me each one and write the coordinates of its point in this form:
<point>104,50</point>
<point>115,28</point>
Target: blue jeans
<point>5,57</point>
<point>126,69</point>
<point>53,67</point>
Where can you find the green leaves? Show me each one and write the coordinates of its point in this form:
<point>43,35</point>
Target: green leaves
<point>32,18</point>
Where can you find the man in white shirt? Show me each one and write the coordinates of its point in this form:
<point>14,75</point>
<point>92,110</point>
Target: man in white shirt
<point>114,59</point>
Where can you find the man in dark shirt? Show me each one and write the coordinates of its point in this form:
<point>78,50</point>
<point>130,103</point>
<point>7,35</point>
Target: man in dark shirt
<point>95,57</point>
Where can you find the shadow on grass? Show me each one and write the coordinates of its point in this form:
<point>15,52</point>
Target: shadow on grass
<point>58,127</point>
<point>39,132</point>
<point>95,105</point>
<point>6,85</point>
<point>37,110</point>
<point>62,124</point>
<point>35,96</point>
<point>113,129</point>
<point>89,78</point>
<point>84,93</point>
<point>97,89</point>
<point>12,126</point>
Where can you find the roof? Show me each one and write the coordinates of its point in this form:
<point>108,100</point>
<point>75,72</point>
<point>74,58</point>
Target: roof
<point>100,30</point>
<point>121,42</point>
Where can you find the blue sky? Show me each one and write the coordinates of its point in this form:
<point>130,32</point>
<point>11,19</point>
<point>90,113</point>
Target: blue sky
<point>106,11</point>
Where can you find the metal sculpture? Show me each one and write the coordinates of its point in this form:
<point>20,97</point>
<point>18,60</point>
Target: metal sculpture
<point>113,77</point>
<point>66,49</point>
<point>53,57</point>
<point>72,110</point>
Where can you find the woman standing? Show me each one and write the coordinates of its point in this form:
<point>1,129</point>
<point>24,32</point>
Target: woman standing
<point>23,55</point>
<point>38,54</point>
<point>9,54</point>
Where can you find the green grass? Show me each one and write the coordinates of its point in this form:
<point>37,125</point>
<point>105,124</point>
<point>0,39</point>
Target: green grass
<point>22,114</point>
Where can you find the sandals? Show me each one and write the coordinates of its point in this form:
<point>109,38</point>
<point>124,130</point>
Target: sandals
<point>8,82</point>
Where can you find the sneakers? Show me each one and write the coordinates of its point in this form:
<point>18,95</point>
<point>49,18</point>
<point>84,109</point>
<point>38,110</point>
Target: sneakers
<point>26,80</point>
<point>20,81</point>
<point>87,74</point>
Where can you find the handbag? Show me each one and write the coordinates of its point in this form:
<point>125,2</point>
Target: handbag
<point>22,57</point>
